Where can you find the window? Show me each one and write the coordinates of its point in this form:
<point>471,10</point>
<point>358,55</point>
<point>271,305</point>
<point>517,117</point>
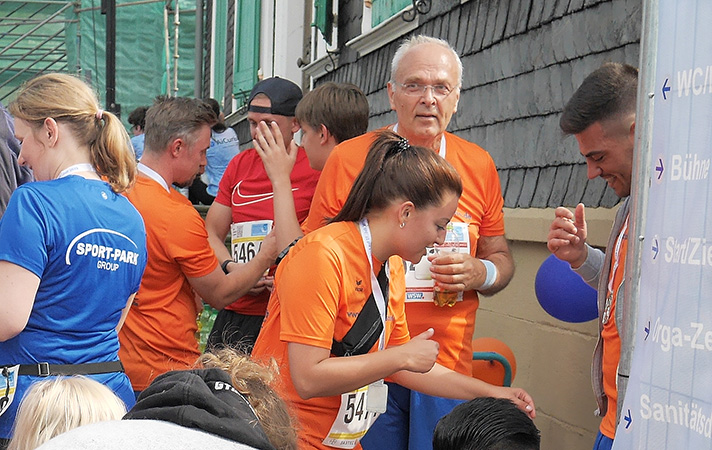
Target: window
<point>324,18</point>
<point>247,49</point>
<point>219,44</point>
<point>382,10</point>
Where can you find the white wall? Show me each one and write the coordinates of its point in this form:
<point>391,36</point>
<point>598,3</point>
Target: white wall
<point>282,38</point>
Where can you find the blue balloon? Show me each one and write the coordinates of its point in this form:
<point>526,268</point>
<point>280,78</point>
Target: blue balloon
<point>563,293</point>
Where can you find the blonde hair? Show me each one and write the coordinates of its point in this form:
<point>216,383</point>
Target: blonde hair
<point>56,405</point>
<point>254,381</point>
<point>67,99</point>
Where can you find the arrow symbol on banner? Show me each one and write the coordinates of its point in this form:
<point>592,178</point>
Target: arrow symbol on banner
<point>660,168</point>
<point>666,88</point>
<point>655,249</point>
<point>647,331</point>
<point>628,419</point>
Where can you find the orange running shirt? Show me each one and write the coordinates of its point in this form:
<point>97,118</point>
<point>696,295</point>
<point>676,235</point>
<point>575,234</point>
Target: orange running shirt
<point>612,340</point>
<point>320,287</point>
<point>159,332</point>
<point>480,207</point>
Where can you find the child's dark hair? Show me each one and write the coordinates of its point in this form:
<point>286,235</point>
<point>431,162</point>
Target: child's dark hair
<point>486,423</point>
<point>395,170</point>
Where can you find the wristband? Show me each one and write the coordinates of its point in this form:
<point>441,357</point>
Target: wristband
<point>224,265</point>
<point>491,276</point>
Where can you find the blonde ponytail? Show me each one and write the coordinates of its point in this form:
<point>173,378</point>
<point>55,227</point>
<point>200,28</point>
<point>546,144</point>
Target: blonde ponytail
<point>66,98</point>
<point>112,155</point>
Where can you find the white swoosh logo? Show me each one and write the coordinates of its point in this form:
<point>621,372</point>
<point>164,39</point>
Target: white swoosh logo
<point>94,230</point>
<point>250,199</point>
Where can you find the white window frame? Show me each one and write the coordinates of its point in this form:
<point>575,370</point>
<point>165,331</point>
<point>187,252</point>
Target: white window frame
<point>370,39</point>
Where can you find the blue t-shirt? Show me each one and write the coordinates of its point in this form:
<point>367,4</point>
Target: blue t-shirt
<point>223,147</point>
<point>88,246</point>
<point>137,143</point>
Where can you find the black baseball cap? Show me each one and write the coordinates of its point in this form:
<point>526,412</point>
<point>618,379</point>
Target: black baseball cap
<point>283,95</point>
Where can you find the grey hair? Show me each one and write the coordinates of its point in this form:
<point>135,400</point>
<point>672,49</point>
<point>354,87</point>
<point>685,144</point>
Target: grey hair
<point>415,41</point>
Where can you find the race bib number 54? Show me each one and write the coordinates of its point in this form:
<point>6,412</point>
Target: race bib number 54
<point>352,421</point>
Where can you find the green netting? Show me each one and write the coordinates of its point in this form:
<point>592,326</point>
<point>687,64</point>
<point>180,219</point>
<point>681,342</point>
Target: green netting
<point>31,41</point>
<point>75,42</point>
<point>140,51</point>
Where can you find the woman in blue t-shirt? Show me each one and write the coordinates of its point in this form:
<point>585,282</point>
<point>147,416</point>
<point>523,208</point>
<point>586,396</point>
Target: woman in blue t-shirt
<point>72,249</point>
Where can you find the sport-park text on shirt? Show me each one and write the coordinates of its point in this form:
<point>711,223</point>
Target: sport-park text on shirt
<point>108,257</point>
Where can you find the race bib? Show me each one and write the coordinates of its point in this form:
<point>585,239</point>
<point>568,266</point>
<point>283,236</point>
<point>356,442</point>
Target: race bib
<point>247,237</point>
<point>352,421</point>
<point>418,284</point>
<point>8,385</point>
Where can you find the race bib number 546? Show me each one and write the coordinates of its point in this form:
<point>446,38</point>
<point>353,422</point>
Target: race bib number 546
<point>247,239</point>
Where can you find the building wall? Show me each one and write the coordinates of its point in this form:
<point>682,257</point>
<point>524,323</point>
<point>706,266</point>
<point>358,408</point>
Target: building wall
<point>281,41</point>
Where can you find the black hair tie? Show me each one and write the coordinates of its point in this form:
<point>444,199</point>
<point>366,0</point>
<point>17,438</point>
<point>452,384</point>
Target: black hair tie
<point>398,147</point>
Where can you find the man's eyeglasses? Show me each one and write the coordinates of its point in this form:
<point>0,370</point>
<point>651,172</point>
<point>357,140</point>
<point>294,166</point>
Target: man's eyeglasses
<point>416,89</point>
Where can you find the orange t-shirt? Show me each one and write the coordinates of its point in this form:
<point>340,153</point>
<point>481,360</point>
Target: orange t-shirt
<point>480,206</point>
<point>159,332</point>
<point>320,287</point>
<point>612,340</point>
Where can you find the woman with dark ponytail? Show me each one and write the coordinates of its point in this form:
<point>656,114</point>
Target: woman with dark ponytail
<point>72,249</point>
<point>335,322</point>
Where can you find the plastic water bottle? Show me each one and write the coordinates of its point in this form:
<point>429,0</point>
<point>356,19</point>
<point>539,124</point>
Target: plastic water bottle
<point>206,319</point>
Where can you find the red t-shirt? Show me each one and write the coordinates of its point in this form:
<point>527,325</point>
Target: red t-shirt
<point>246,189</point>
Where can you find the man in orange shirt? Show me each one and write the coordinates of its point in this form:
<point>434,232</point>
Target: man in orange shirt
<point>159,332</point>
<point>601,115</point>
<point>424,91</point>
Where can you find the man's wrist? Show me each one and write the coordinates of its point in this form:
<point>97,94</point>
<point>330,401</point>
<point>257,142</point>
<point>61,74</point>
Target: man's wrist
<point>490,275</point>
<point>224,265</point>
<point>581,261</point>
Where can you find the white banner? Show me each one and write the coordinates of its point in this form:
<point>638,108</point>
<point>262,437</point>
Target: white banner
<point>668,404</point>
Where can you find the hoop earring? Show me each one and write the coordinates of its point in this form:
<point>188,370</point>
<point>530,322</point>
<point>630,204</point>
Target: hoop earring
<point>402,225</point>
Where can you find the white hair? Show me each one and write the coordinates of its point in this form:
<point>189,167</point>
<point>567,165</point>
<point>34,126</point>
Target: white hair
<point>415,41</point>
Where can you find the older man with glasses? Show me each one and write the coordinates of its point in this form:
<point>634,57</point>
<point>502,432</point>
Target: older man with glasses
<point>426,76</point>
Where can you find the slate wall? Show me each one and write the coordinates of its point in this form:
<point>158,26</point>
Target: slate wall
<point>522,60</point>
